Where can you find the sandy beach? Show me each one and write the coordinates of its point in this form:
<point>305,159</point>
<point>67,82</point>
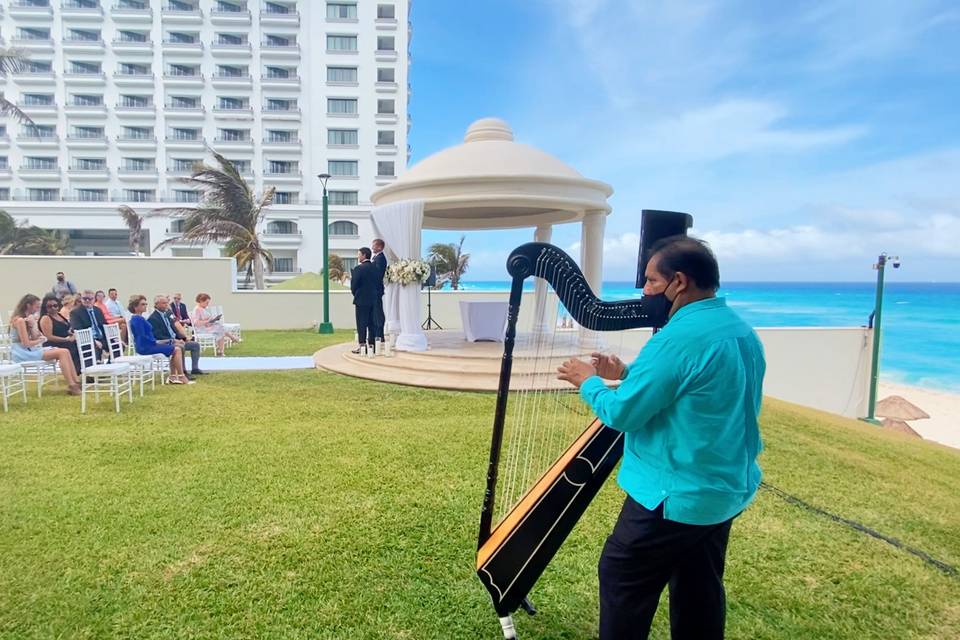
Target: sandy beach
<point>943,426</point>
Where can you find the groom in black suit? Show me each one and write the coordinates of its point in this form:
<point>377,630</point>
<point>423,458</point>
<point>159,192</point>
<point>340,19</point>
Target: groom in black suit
<point>380,261</point>
<point>366,293</point>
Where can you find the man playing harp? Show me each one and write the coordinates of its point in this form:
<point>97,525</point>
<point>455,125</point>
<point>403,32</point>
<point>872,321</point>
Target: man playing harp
<point>688,406</point>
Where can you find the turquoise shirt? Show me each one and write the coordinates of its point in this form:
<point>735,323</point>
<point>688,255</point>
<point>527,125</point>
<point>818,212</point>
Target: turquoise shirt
<point>689,405</point>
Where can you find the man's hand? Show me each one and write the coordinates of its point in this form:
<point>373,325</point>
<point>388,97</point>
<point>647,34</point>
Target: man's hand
<point>178,343</point>
<point>575,371</point>
<point>609,367</point>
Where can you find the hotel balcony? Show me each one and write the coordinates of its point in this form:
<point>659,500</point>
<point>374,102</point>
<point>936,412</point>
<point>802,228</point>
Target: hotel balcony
<point>181,16</point>
<point>148,111</point>
<point>286,177</point>
<point>280,50</point>
<point>386,55</point>
<point>386,149</point>
<point>4,140</point>
<point>89,174</point>
<point>182,80</point>
<point>276,18</point>
<point>292,113</point>
<point>78,142</point>
<point>137,173</point>
<point>33,45</point>
<point>133,79</point>
<point>243,81</point>
<point>225,50</point>
<point>231,18</point>
<point>82,11</point>
<point>38,109</point>
<point>386,87</point>
<point>197,144</point>
<point>87,110</point>
<point>184,113</point>
<point>19,9</point>
<point>183,48</point>
<point>39,173</point>
<point>38,142</point>
<point>294,239</point>
<point>223,143</point>
<point>276,145</point>
<point>245,113</point>
<point>35,78</point>
<point>77,45</point>
<point>130,15</point>
<point>137,142</point>
<point>132,46</point>
<point>291,82</point>
<point>94,78</point>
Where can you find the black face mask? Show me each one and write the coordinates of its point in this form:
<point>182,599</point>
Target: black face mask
<point>657,306</point>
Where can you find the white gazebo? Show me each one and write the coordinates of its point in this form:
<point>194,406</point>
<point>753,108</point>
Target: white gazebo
<point>488,182</point>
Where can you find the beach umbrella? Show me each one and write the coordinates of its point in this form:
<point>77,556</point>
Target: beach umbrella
<point>901,426</point>
<point>899,408</point>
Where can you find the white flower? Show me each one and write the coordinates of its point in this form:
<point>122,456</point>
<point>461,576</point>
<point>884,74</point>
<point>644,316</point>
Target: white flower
<point>407,271</point>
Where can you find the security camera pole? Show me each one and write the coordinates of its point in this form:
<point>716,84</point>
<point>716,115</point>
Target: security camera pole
<point>877,308</point>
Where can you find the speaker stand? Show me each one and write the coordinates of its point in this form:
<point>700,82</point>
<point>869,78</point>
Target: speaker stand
<point>430,323</point>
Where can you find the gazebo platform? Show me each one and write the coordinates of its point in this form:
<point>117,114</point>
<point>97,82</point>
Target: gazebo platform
<point>453,363</point>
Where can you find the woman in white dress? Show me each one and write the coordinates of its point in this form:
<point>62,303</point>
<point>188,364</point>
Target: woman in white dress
<point>205,322</point>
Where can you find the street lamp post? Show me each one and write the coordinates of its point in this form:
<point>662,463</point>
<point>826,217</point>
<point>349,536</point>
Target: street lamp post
<point>877,312</point>
<point>325,326</point>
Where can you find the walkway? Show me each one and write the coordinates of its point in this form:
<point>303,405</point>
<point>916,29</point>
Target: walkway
<point>256,363</point>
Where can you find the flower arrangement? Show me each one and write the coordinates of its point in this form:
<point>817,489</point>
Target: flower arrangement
<point>407,271</point>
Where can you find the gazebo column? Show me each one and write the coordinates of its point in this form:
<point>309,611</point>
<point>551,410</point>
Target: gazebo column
<point>591,262</point>
<point>543,233</point>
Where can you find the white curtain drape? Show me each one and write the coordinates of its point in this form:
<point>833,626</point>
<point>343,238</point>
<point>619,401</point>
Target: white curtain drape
<point>400,225</point>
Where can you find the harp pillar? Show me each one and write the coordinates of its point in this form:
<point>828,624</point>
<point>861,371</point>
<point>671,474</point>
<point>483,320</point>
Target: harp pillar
<point>543,233</point>
<point>591,248</point>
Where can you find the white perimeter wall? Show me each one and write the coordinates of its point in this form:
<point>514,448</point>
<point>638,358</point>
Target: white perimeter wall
<point>824,368</point>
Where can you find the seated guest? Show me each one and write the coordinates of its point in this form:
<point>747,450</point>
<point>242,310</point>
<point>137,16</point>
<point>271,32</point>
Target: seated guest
<point>165,329</point>
<point>146,343</point>
<point>67,305</point>
<point>87,316</point>
<point>108,313</point>
<point>56,330</point>
<point>28,348</point>
<point>205,322</point>
<point>180,310</point>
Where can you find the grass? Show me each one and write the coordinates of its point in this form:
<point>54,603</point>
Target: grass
<point>309,505</point>
<point>308,281</point>
<point>295,342</point>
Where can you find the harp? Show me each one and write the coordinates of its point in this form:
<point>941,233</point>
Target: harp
<point>548,456</point>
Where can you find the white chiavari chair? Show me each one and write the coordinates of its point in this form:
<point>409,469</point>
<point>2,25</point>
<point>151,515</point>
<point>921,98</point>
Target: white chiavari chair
<point>12,382</point>
<point>112,379</point>
<point>142,368</point>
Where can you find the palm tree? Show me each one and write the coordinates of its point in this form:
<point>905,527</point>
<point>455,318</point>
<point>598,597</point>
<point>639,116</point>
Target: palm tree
<point>337,270</point>
<point>450,261</point>
<point>27,240</point>
<point>134,222</point>
<point>11,61</point>
<point>229,212</point>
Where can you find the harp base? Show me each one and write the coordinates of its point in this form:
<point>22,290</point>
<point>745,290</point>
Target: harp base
<point>509,631</point>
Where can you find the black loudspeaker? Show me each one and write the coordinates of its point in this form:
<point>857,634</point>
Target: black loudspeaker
<point>654,226</point>
<point>431,280</point>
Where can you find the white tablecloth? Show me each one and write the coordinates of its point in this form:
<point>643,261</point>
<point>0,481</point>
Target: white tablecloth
<point>483,319</point>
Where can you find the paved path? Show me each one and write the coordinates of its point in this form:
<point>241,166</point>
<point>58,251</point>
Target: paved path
<point>264,363</point>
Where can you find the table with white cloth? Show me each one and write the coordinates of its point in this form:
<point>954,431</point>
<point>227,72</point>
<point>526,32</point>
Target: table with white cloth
<point>483,319</point>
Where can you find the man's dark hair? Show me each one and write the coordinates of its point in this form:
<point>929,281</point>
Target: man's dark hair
<point>689,256</point>
<point>110,289</point>
<point>366,252</point>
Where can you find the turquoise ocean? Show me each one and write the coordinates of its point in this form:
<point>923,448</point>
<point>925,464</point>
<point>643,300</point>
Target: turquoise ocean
<point>921,321</point>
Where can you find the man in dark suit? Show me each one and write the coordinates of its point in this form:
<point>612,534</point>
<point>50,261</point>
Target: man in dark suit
<point>380,261</point>
<point>166,330</point>
<point>179,310</point>
<point>366,293</point>
<point>87,316</point>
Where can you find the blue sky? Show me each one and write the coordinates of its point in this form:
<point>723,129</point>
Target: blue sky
<point>805,138</point>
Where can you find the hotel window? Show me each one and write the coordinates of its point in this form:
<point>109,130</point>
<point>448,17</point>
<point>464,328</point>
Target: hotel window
<point>85,68</point>
<point>88,133</point>
<point>341,11</point>
<point>5,193</point>
<point>341,74</point>
<point>3,131</point>
<point>341,43</point>
<point>277,8</point>
<point>386,12</point>
<point>90,164</point>
<point>242,166</point>
<point>140,195</point>
<point>385,43</point>
<point>91,195</point>
<point>282,265</point>
<point>230,71</point>
<point>275,104</point>
<point>185,196</point>
<point>87,100</point>
<point>132,4</point>
<point>179,5</point>
<point>34,3</point>
<point>37,66</point>
<point>386,138</point>
<point>82,35</point>
<point>343,197</point>
<point>81,4</point>
<point>37,99</point>
<point>183,70</point>
<point>43,195</point>
<point>178,37</point>
<point>385,168</point>
<point>138,164</point>
<point>128,69</point>
<point>386,74</point>
<point>343,228</point>
<point>385,107</point>
<point>183,165</point>
<point>137,133</point>
<point>233,135</point>
<point>178,133</point>
<point>281,135</point>
<point>132,36</point>
<point>185,102</point>
<point>282,167</point>
<point>285,227</point>
<point>286,197</point>
<point>41,164</point>
<point>342,136</point>
<point>39,131</point>
<point>231,39</point>
<point>343,168</point>
<point>33,33</point>
<point>279,41</point>
<point>341,105</point>
<point>228,7</point>
<point>136,102</point>
<point>279,73</point>
<point>231,104</point>
<point>4,163</point>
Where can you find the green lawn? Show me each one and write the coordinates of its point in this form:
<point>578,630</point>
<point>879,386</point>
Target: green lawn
<point>296,342</point>
<point>309,505</point>
<point>308,281</point>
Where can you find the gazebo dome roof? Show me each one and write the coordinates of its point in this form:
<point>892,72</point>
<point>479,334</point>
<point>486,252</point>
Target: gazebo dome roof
<point>492,182</point>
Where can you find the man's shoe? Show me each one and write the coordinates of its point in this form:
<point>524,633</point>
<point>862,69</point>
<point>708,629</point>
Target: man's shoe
<point>197,372</point>
<point>356,351</point>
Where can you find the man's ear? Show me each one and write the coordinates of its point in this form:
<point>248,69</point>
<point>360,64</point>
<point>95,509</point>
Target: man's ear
<point>683,282</point>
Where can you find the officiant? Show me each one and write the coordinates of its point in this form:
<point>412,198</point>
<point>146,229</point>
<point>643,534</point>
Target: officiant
<point>380,261</point>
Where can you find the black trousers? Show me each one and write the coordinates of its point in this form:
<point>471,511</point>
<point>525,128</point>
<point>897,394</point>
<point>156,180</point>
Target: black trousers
<point>194,349</point>
<point>644,554</point>
<point>379,317</point>
<point>366,324</point>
